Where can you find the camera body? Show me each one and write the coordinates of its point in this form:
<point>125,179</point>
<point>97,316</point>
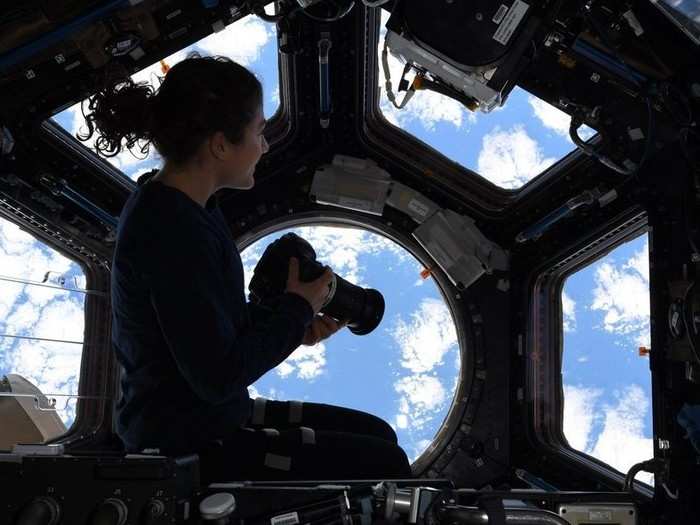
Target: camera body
<point>362,308</point>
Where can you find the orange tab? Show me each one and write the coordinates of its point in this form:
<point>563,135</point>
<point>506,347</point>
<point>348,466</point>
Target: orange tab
<point>425,273</point>
<point>164,67</point>
<point>644,351</point>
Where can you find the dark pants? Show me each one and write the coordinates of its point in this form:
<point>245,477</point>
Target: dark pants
<point>291,440</point>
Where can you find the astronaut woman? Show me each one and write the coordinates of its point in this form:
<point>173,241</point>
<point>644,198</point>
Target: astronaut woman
<point>188,342</point>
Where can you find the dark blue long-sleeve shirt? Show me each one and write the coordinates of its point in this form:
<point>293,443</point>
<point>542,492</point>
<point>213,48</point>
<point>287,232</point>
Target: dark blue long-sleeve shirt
<point>188,342</point>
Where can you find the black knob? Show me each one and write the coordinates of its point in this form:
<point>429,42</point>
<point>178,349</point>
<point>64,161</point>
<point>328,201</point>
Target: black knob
<point>112,511</point>
<point>152,512</point>
<point>40,511</point>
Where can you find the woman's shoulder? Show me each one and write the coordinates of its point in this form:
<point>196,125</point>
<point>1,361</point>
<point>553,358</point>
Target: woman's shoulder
<point>156,214</point>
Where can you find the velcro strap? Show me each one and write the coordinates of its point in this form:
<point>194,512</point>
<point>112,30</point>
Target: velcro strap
<point>495,511</point>
<point>259,411</point>
<point>295,411</point>
<point>308,436</point>
<point>278,462</point>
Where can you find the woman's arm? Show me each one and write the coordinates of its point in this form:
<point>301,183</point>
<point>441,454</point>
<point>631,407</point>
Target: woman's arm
<point>196,310</point>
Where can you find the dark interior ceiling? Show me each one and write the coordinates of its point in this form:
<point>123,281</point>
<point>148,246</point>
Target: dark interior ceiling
<point>508,411</point>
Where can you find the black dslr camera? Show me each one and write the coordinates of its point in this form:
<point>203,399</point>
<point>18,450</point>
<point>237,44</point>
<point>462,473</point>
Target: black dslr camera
<point>364,308</point>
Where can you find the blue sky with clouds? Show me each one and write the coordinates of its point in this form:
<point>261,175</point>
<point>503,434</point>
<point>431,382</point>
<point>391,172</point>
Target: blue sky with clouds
<point>406,370</point>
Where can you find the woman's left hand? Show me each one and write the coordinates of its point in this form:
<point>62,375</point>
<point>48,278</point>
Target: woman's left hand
<point>321,327</point>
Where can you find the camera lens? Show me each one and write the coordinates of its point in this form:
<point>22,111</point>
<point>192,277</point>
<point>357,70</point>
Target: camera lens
<point>362,308</point>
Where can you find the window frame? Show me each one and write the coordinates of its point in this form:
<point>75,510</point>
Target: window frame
<point>94,385</point>
<point>462,400</point>
<point>381,130</point>
<point>544,384</point>
<point>279,126</point>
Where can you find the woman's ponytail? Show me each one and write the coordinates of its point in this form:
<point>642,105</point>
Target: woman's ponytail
<point>198,97</point>
<point>121,115</point>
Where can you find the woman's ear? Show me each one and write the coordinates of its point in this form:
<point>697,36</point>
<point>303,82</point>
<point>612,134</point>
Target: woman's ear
<point>219,146</point>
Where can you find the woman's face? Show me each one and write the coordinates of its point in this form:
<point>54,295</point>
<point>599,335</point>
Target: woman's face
<point>245,155</point>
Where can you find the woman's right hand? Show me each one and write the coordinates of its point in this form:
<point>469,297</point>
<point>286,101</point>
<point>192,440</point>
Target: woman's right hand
<point>315,292</point>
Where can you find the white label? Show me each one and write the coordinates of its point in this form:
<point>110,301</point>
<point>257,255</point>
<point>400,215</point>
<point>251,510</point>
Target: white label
<point>633,23</point>
<point>354,204</point>
<point>498,17</point>
<point>511,22</point>
<point>600,515</point>
<point>291,518</point>
<point>418,207</point>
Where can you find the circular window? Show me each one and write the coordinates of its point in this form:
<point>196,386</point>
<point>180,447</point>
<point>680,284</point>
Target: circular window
<point>406,371</point>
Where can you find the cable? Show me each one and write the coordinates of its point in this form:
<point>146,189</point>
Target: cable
<point>341,13</point>
<point>12,336</point>
<point>387,80</point>
<point>629,172</point>
<point>590,151</point>
<point>607,161</point>
<point>689,321</point>
<point>672,495</point>
<point>651,465</point>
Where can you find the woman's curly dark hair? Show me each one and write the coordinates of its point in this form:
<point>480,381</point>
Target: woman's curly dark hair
<point>198,97</point>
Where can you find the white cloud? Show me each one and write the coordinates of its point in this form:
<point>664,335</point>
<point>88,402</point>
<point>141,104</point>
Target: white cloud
<point>284,369</point>
<point>579,404</point>
<point>421,396</point>
<point>401,421</point>
<point>335,246</point>
<point>550,116</point>
<point>622,293</point>
<point>426,107</point>
<point>621,443</point>
<point>511,158</point>
<point>556,120</point>
<point>250,257</point>
<point>568,306</point>
<point>272,393</point>
<point>242,41</point>
<point>640,262</point>
<point>418,448</point>
<point>275,96</point>
<point>39,312</point>
<point>52,367</point>
<point>427,337</point>
<point>307,361</point>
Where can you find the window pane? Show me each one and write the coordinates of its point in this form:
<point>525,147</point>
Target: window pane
<point>41,338</point>
<point>508,147</point>
<point>607,384</point>
<point>405,371</point>
<point>250,42</point>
